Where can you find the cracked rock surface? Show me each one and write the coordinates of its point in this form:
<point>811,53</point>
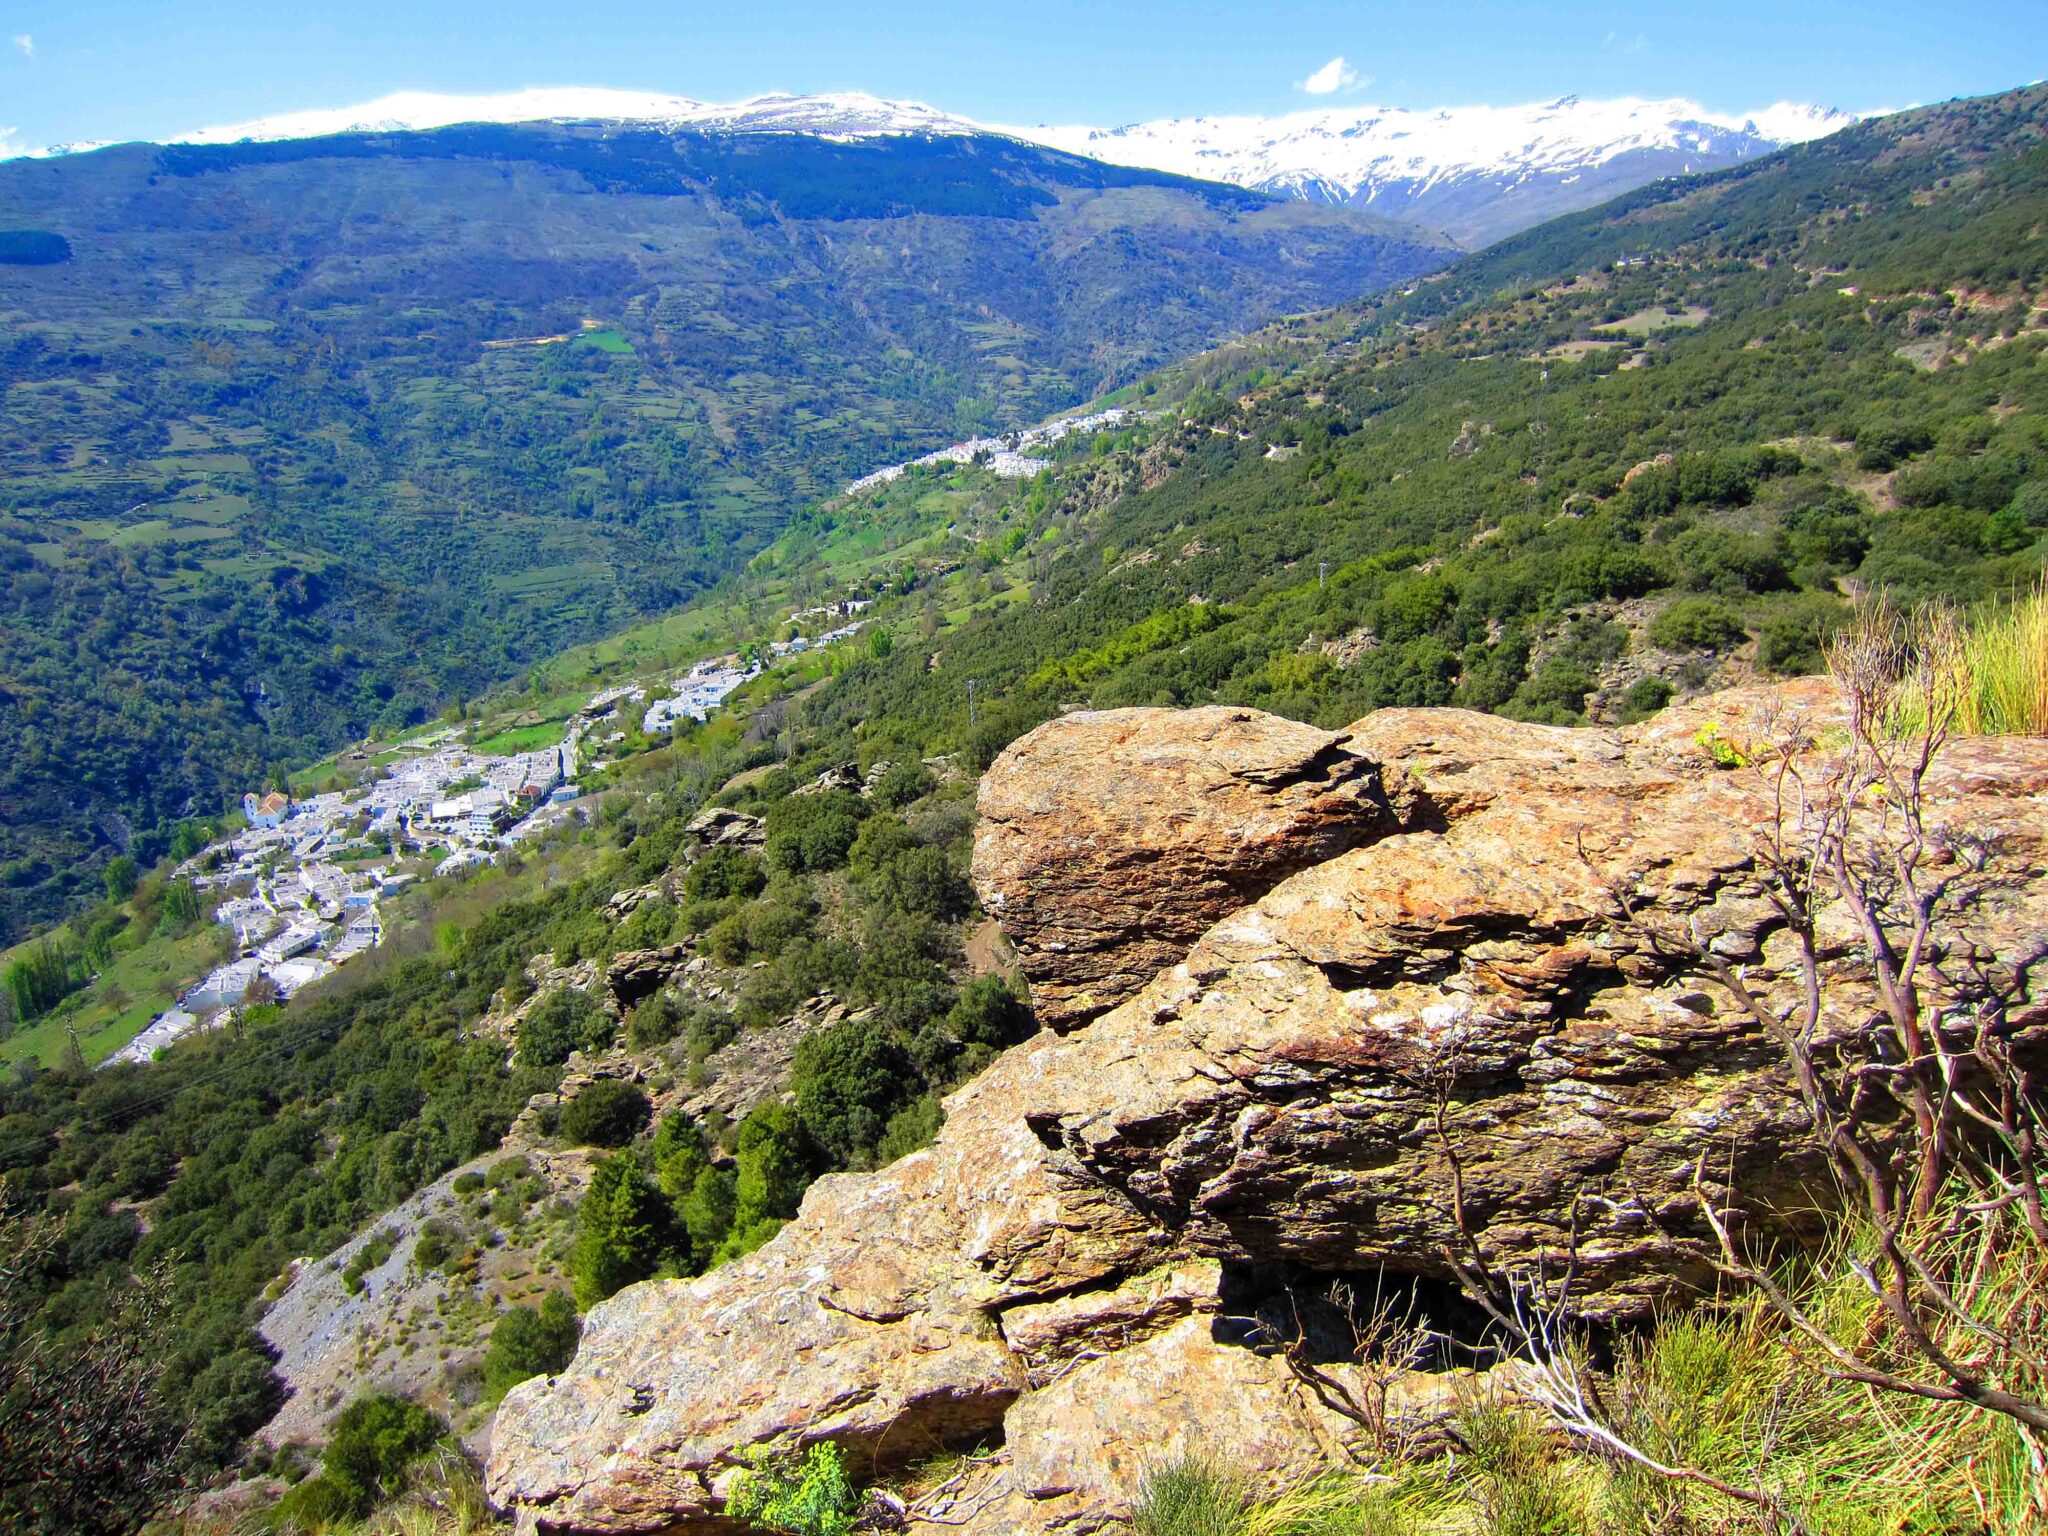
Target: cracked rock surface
<point>1450,1023</point>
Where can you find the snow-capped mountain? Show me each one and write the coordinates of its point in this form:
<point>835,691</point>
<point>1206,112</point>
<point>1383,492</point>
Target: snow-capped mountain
<point>1476,171</point>
<point>848,114</point>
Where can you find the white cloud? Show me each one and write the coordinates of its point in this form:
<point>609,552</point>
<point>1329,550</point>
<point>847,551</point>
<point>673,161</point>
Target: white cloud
<point>1333,76</point>
<point>26,44</point>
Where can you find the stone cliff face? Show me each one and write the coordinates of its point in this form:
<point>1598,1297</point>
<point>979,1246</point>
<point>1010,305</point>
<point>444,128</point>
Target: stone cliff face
<point>1395,1004</point>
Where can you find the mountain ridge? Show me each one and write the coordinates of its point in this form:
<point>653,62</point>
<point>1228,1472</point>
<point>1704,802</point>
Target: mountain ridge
<point>1478,171</point>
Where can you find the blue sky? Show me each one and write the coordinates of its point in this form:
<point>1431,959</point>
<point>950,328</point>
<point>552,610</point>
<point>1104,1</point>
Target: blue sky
<point>111,69</point>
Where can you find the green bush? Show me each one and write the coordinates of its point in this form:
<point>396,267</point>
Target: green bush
<point>566,1020</point>
<point>848,1080</point>
<point>435,1245</point>
<point>807,1495</point>
<point>374,1443</point>
<point>373,1253</point>
<point>530,1342</point>
<point>1695,624</point>
<point>624,1231</point>
<point>706,1213</point>
<point>722,873</point>
<point>315,1503</point>
<point>680,1155</point>
<point>1188,1498</point>
<point>1883,445</point>
<point>773,1165</point>
<point>813,832</point>
<point>708,1030</point>
<point>1642,699</point>
<point>911,1128</point>
<point>606,1113</point>
<point>654,1022</point>
<point>902,783</point>
<point>1716,559</point>
<point>1794,640</point>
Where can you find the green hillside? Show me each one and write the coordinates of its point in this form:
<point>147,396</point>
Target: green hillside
<point>1645,446</point>
<point>304,439</point>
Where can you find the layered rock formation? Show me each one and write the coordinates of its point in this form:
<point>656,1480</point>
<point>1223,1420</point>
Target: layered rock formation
<point>1108,841</point>
<point>1455,1035</point>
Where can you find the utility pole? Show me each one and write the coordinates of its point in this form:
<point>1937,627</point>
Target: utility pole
<point>1322,570</point>
<point>972,683</point>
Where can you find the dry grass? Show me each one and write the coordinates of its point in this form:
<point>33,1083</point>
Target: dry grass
<point>1987,674</point>
<point>1718,1390</point>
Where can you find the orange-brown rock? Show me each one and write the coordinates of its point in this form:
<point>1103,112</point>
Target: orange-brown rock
<point>1109,840</point>
<point>1457,1038</point>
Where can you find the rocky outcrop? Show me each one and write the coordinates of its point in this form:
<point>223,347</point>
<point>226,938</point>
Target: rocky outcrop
<point>718,827</point>
<point>1456,1036</point>
<point>1109,840</point>
<point>634,975</point>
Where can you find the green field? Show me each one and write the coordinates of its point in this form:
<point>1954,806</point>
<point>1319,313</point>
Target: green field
<point>520,738</point>
<point>135,987</point>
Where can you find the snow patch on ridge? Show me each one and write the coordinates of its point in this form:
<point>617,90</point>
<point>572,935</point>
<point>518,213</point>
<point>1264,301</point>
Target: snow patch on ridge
<point>1339,153</point>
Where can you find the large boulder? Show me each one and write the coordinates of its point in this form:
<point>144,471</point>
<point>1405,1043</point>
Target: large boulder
<point>1459,1042</point>
<point>1109,840</point>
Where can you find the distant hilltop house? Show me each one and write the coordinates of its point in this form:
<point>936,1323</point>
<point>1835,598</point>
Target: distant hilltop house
<point>269,811</point>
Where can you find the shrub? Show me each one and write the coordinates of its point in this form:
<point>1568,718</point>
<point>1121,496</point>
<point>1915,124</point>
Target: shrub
<point>2029,504</point>
<point>1554,696</point>
<point>565,1020</point>
<point>902,784</point>
<point>722,873</point>
<point>911,1128</point>
<point>374,1443</point>
<point>773,1165</point>
<point>435,1245</point>
<point>706,1213</point>
<point>922,881</point>
<point>807,1495</point>
<point>317,1502</point>
<point>1884,445</point>
<point>680,1155</point>
<point>1712,559</point>
<point>1642,699</point>
<point>606,1113</point>
<point>848,1079</point>
<point>654,1022</point>
<point>374,1252</point>
<point>1695,624</point>
<point>529,1342</point>
<point>708,1030</point>
<point>1794,641</point>
<point>813,832</point>
<point>623,1230</point>
<point>1524,1486</point>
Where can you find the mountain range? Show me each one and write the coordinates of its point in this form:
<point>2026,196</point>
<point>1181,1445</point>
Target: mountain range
<point>1475,172</point>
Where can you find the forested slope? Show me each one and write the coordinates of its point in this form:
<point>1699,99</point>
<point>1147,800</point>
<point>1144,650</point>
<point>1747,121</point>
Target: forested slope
<point>1648,445</point>
<point>305,438</point>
